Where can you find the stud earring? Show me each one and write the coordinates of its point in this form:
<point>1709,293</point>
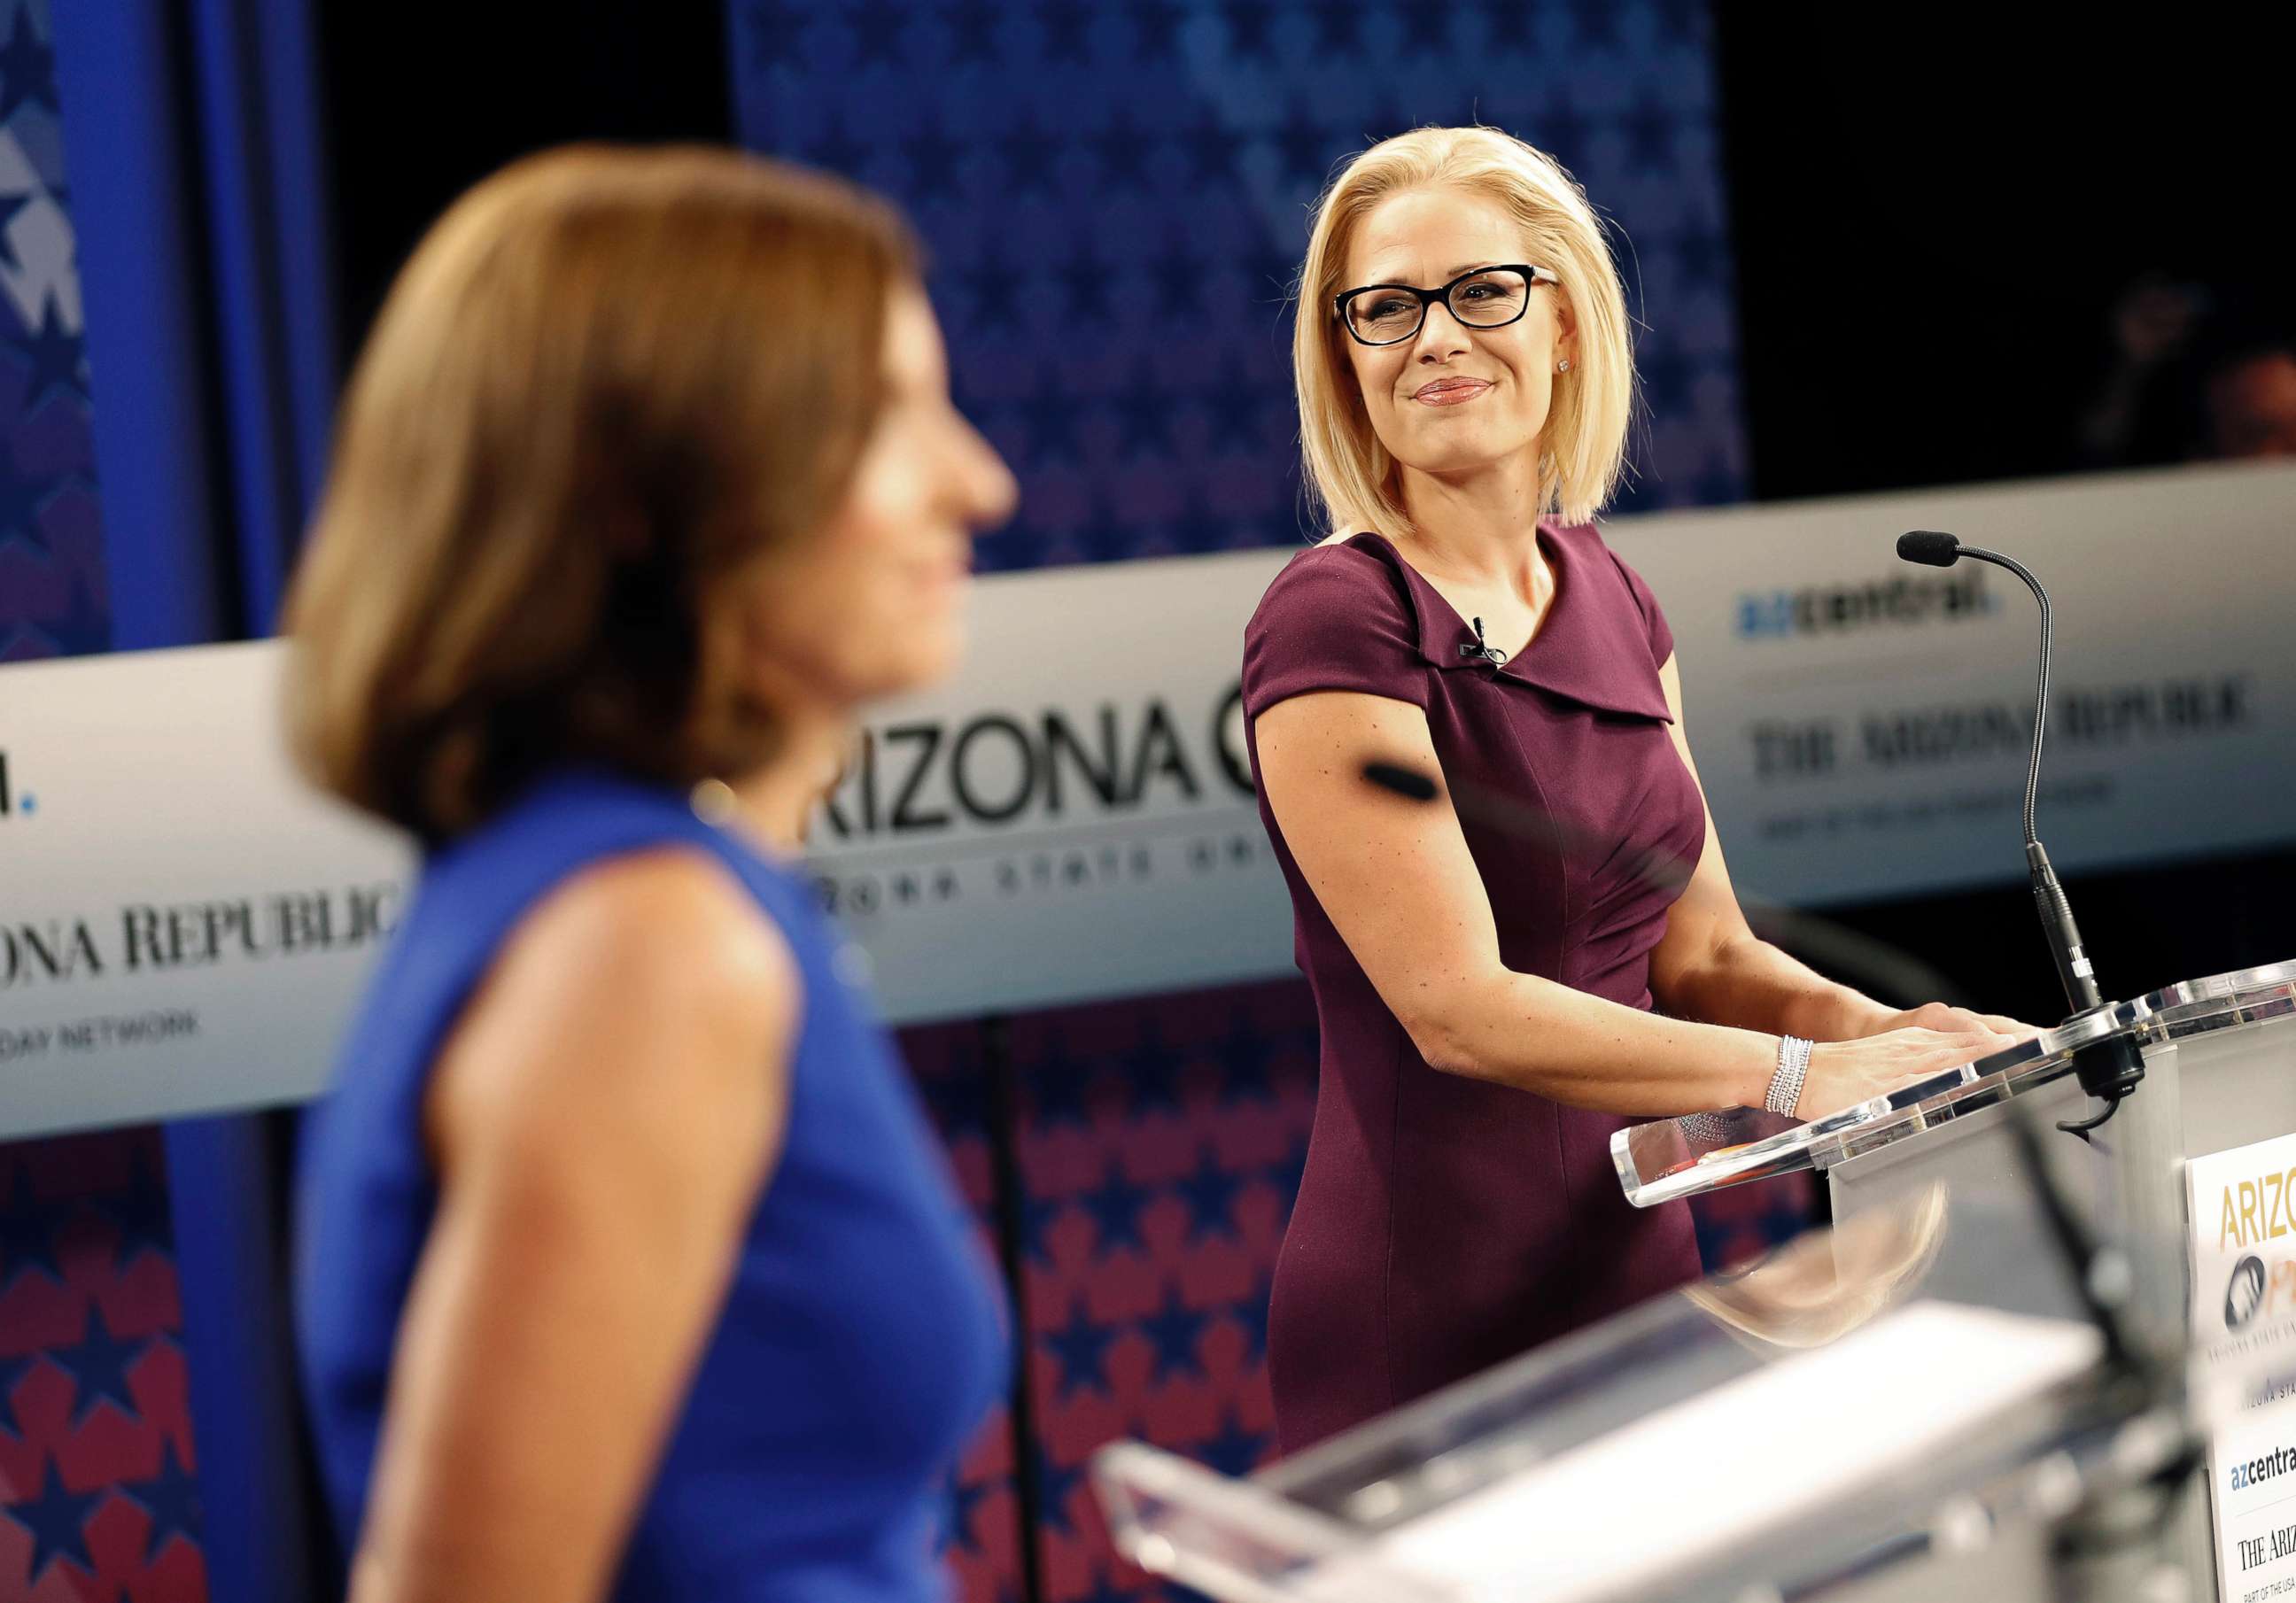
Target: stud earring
<point>714,803</point>
<point>1562,366</point>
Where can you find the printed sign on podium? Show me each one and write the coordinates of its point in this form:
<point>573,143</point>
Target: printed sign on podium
<point>2244,1223</point>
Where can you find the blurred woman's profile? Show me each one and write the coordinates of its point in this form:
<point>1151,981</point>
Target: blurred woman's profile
<point>626,1265</point>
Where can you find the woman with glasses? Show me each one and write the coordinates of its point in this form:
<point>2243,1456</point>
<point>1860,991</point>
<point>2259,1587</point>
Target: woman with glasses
<point>627,1264</point>
<point>1495,1000</point>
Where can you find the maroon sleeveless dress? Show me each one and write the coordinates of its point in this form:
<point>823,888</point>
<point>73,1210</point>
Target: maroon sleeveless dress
<point>1445,1224</point>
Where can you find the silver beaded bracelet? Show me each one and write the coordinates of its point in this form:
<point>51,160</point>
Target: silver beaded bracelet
<point>1793,1067</point>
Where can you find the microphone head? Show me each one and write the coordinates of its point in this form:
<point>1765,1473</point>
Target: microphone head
<point>1406,783</point>
<point>1939,551</point>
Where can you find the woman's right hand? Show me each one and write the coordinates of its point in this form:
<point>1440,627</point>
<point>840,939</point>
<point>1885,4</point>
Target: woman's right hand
<point>1843,1073</point>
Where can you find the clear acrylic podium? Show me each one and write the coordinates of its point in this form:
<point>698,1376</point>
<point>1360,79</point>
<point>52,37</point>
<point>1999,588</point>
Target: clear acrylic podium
<point>1918,1403</point>
<point>2220,1071</point>
<point>1904,1405</point>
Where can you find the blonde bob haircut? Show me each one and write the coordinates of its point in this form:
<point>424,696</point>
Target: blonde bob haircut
<point>1582,449</point>
<point>610,389</point>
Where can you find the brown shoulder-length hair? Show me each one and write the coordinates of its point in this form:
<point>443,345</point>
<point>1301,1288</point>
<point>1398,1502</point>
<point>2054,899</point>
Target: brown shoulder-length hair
<point>608,386</point>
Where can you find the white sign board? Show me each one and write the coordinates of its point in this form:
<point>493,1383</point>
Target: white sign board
<point>1860,723</point>
<point>2242,1210</point>
<point>1072,817</point>
<point>183,926</point>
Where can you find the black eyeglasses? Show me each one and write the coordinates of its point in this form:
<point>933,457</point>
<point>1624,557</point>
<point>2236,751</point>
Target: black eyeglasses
<point>1488,298</point>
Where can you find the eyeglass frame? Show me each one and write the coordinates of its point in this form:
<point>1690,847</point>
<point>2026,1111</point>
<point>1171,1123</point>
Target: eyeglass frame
<point>1428,297</point>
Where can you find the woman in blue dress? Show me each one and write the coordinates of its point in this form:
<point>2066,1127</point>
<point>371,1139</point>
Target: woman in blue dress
<point>626,1265</point>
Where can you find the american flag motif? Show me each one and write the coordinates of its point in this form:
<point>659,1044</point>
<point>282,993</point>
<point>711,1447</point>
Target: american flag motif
<point>99,1490</point>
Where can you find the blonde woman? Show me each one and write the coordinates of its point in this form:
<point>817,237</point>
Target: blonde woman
<point>1493,1008</point>
<point>627,1265</point>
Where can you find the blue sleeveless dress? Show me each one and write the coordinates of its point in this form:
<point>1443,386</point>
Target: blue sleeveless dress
<point>861,1339</point>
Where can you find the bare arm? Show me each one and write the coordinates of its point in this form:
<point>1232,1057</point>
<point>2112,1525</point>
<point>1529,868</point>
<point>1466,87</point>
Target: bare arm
<point>1397,880</point>
<point>1398,883</point>
<point>603,1118</point>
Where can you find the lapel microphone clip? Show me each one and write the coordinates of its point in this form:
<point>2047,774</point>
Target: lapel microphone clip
<point>1480,647</point>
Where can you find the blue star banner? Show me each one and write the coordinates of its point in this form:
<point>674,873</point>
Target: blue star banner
<point>99,1494</point>
<point>54,600</point>
<point>1116,195</point>
<point>1158,1150</point>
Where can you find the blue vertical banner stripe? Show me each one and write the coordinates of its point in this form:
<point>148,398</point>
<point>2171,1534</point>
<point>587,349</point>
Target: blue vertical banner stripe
<point>251,67</point>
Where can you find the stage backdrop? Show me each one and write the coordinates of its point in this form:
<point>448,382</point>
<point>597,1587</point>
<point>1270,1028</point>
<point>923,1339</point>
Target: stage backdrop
<point>1070,820</point>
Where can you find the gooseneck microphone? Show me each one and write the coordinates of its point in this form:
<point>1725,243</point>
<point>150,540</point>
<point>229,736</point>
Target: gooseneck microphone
<point>1942,551</point>
<point>1922,545</point>
<point>2073,966</point>
<point>2109,1082</point>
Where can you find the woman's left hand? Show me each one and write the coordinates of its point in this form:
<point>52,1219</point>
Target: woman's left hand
<point>1937,1016</point>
